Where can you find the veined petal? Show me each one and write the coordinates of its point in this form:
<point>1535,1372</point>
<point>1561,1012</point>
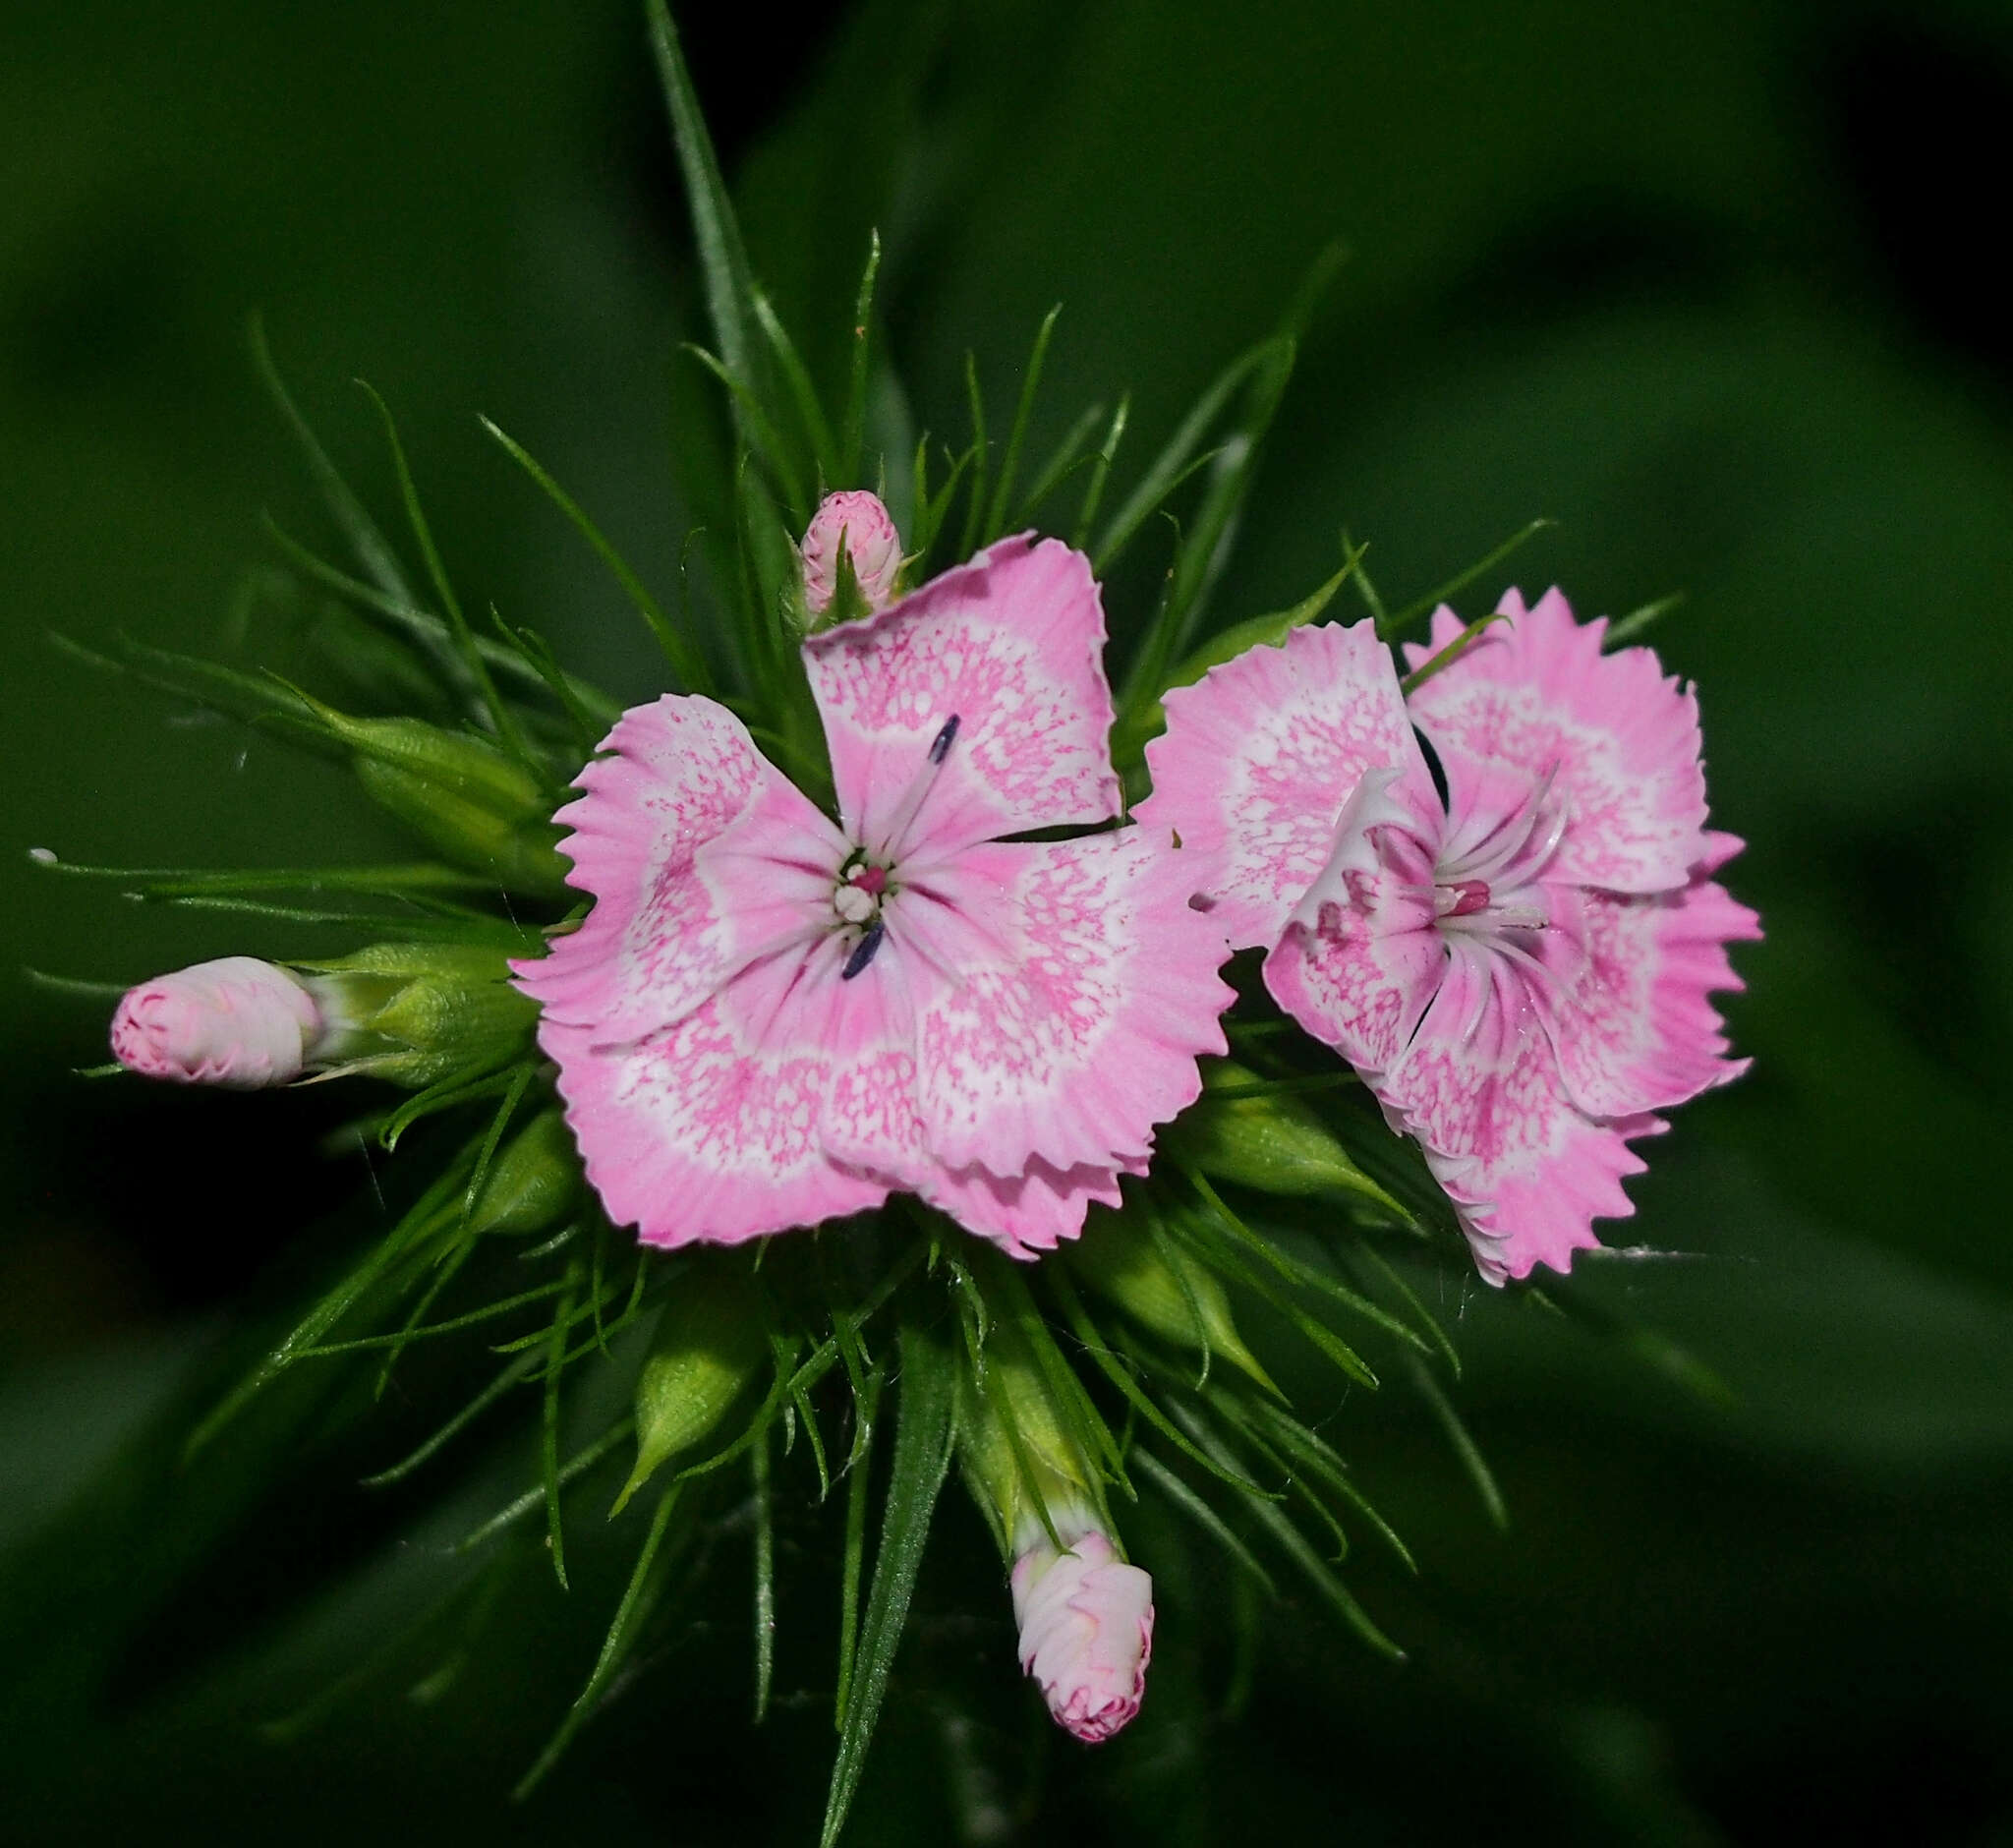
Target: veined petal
<point>1079,989</point>
<point>1261,754</point>
<point>1629,1008</point>
<point>1359,959</point>
<point>1480,1088</point>
<point>1011,646</point>
<point>682,772</point>
<point>1536,695</point>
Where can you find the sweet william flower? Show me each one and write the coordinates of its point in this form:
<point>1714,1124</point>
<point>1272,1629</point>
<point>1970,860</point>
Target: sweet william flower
<point>236,1022</point>
<point>1519,971</point>
<point>858,521</point>
<point>771,1017</point>
<point>1086,1632</point>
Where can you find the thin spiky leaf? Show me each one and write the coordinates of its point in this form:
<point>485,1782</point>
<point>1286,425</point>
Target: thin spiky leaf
<point>686,660</point>
<point>1016,435</point>
<point>923,1430</point>
<point>1402,619</point>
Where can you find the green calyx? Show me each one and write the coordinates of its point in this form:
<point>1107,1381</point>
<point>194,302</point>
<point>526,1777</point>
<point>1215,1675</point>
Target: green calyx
<point>533,1183</point>
<point>417,1014</point>
<point>1270,1140</point>
<point>710,1341</point>
<point>467,799</point>
<point>1026,1474</point>
<point>1162,1288</point>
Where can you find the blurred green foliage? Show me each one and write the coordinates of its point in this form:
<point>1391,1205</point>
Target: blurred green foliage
<point>1674,277</point>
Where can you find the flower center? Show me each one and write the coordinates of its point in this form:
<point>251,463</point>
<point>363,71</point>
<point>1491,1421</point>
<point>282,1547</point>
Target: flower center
<point>863,885</point>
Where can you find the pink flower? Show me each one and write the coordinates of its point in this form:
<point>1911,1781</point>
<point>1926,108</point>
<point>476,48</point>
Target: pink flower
<point>237,1022</point>
<point>1520,971</point>
<point>868,534</point>
<point>769,1018</point>
<point>1086,1633</point>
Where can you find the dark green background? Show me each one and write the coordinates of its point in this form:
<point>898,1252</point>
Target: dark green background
<point>1703,284</point>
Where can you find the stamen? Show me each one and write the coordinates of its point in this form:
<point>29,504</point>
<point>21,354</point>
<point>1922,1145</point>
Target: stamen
<point>863,951</point>
<point>895,833</point>
<point>854,903</point>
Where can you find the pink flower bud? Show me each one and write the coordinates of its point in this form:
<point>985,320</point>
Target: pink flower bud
<point>1086,1632</point>
<point>871,538</point>
<point>237,1021</point>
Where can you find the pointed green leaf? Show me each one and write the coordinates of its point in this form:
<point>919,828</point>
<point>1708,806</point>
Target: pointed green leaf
<point>921,1457</point>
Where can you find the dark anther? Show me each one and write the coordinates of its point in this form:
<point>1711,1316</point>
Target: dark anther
<point>863,951</point>
<point>941,749</point>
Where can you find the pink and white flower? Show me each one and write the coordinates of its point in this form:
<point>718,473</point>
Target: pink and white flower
<point>236,1022</point>
<point>1521,970</point>
<point>1086,1632</point>
<point>771,1017</point>
<point>859,521</point>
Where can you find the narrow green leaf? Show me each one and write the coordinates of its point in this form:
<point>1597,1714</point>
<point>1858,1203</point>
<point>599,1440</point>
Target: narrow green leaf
<point>497,1389</point>
<point>1203,1514</point>
<point>638,1601</point>
<point>1465,1446</point>
<point>765,1578</point>
<point>1388,626</point>
<point>797,377</point>
<point>1449,655</point>
<point>866,1410</point>
<point>1067,456</point>
<point>1172,462</point>
<point>1625,629</point>
<point>686,659</point>
<point>921,1457</point>
<point>1113,1366</point>
<point>501,716</point>
<point>1094,491</point>
<point>373,553</point>
<point>1296,1547</point>
<point>1010,462</point>
<point>857,387</point>
<point>975,510</point>
<point>579,1464</point>
<point>764,439</point>
<point>722,257</point>
<point>549,1429</point>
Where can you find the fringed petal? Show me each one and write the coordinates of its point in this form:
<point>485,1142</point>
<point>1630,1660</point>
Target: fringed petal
<point>1011,647</point>
<point>1077,989</point>
<point>1536,695</point>
<point>1261,755</point>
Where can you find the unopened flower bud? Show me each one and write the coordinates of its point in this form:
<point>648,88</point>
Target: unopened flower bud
<point>1276,1143</point>
<point>237,1022</point>
<point>469,800</point>
<point>709,1342</point>
<point>1086,1632</point>
<point>419,1012</point>
<point>1162,1288</point>
<point>533,1183</point>
<point>858,522</point>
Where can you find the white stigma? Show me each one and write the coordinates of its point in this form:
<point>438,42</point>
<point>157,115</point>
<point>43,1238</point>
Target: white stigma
<point>854,903</point>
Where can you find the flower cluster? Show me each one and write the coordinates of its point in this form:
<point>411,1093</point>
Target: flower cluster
<point>895,921</point>
<point>774,1016</point>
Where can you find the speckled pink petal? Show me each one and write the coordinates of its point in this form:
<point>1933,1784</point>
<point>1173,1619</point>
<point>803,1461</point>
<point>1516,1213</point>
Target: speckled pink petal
<point>1359,957</point>
<point>1027,1215</point>
<point>696,1132</point>
<point>1011,646</point>
<point>1480,1089</point>
<point>1080,988</point>
<point>658,942</point>
<point>1536,694</point>
<point>1629,1010</point>
<point>1261,754</point>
